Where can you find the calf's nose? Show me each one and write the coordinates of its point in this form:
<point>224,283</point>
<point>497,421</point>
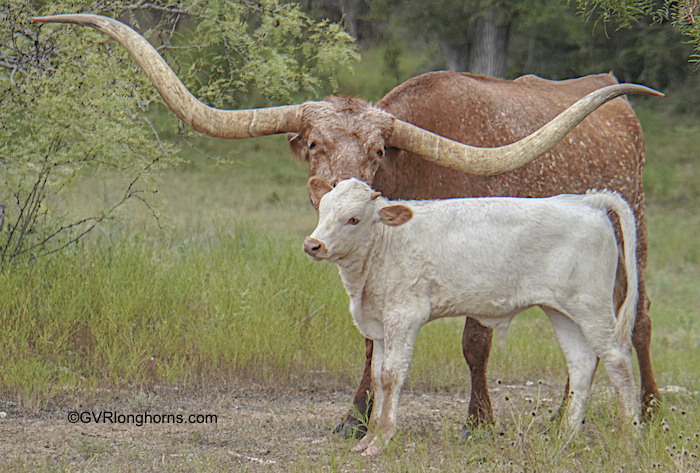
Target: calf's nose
<point>313,247</point>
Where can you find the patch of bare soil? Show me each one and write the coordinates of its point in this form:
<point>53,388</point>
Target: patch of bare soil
<point>254,429</point>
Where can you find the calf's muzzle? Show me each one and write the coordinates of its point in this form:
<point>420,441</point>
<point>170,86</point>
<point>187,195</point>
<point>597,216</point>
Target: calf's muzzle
<point>314,248</point>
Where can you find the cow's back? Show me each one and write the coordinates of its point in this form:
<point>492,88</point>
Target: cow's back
<point>605,151</point>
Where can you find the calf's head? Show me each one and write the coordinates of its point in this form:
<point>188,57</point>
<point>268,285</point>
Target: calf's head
<point>348,215</point>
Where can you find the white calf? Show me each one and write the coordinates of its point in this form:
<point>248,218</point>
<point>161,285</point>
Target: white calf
<point>406,263</point>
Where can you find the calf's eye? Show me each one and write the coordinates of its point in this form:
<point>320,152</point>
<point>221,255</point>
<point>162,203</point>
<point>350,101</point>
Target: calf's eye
<point>353,221</point>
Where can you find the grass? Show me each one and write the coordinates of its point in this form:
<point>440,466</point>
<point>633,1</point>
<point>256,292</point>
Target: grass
<point>244,305</point>
<point>218,291</point>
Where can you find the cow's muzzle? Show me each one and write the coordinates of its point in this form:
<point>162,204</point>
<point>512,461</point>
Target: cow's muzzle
<point>314,248</point>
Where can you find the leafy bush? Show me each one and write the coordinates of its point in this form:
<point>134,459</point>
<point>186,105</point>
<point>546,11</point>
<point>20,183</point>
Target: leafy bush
<point>74,103</point>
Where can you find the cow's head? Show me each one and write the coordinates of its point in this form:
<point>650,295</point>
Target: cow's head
<point>347,216</point>
<point>342,138</point>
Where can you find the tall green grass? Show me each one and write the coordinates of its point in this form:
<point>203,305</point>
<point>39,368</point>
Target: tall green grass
<point>245,305</point>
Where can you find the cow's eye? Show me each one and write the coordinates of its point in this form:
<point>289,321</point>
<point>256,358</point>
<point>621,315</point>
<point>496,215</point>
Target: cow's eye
<point>380,152</point>
<point>312,145</point>
<point>353,221</point>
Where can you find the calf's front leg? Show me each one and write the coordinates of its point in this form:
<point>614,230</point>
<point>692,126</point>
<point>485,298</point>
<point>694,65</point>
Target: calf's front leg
<point>388,376</point>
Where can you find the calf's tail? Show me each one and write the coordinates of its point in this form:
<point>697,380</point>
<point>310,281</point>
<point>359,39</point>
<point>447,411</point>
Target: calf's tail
<point>608,200</point>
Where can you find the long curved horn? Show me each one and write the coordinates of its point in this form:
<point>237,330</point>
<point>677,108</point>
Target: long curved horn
<point>472,160</point>
<point>206,120</point>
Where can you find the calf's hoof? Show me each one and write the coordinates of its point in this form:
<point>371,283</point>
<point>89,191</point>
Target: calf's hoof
<point>372,451</point>
<point>363,444</point>
<point>350,428</point>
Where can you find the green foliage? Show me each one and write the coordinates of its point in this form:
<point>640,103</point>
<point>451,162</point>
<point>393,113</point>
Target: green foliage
<point>558,45</point>
<point>74,104</point>
<point>684,15</point>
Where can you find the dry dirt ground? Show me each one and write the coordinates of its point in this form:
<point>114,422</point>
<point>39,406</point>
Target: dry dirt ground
<point>256,429</point>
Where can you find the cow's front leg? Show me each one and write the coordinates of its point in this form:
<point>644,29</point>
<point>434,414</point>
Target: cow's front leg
<point>476,346</point>
<point>354,424</point>
<point>376,374</point>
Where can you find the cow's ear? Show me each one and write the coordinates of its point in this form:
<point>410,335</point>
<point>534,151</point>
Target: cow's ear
<point>318,187</point>
<point>395,215</point>
<point>294,140</point>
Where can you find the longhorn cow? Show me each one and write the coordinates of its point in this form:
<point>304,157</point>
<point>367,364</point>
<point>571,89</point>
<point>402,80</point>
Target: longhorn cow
<point>442,135</point>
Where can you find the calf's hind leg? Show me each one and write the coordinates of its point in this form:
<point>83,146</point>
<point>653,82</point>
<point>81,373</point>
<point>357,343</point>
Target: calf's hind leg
<point>599,333</point>
<point>581,361</point>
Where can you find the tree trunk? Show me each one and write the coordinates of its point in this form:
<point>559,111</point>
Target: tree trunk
<point>489,47</point>
<point>352,11</point>
<point>456,56</point>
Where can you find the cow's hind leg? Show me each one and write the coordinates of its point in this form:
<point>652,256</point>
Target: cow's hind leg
<point>354,424</point>
<point>476,346</point>
<point>641,339</point>
<point>581,361</point>
<point>641,334</point>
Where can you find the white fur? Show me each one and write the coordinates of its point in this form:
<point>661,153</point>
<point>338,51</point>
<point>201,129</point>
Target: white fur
<point>490,259</point>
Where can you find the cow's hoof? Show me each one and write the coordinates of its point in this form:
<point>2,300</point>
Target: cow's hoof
<point>350,428</point>
<point>650,407</point>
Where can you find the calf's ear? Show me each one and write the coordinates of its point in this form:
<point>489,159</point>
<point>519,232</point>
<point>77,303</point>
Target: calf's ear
<point>318,187</point>
<point>395,215</point>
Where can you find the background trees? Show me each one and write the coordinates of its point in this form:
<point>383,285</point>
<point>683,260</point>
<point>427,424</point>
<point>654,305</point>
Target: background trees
<point>74,105</point>
<point>640,41</point>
